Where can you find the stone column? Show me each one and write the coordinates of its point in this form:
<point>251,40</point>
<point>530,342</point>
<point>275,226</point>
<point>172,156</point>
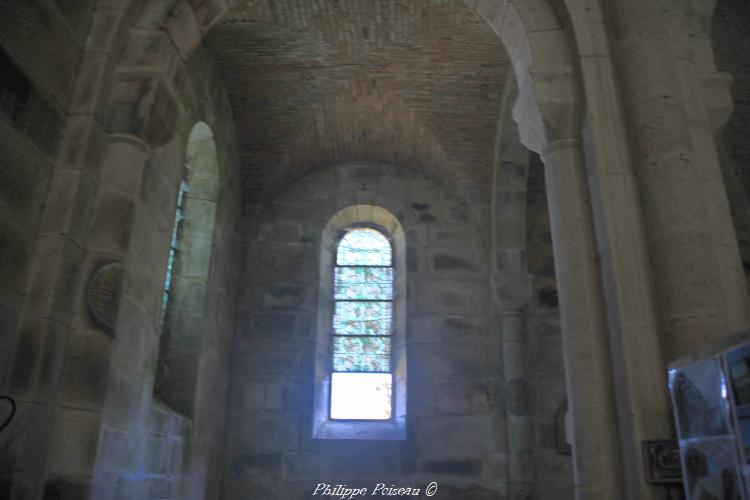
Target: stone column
<point>696,266</point>
<point>84,403</point>
<point>585,341</point>
<point>512,291</point>
<point>123,229</point>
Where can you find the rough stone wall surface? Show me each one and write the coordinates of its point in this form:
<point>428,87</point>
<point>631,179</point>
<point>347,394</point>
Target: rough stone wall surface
<point>456,431</point>
<point>553,469</point>
<point>34,94</point>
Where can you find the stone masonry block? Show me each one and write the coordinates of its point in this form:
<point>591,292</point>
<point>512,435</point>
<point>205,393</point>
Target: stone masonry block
<point>465,397</point>
<point>457,436</point>
<point>263,431</point>
<point>75,441</point>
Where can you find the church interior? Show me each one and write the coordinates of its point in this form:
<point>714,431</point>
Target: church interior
<point>292,249</point>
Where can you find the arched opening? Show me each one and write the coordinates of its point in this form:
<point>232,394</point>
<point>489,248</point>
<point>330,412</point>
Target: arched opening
<point>361,244</point>
<point>645,255</point>
<point>513,20</point>
<point>187,274</point>
<point>361,378</point>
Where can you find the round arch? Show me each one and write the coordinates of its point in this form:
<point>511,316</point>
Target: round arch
<point>386,223</point>
<point>188,272</point>
<point>203,162</point>
<point>146,104</point>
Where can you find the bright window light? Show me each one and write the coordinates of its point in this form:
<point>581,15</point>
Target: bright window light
<point>361,396</point>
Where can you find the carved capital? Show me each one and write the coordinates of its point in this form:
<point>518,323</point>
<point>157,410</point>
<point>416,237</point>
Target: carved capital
<point>143,105</point>
<point>548,108</point>
<point>558,97</point>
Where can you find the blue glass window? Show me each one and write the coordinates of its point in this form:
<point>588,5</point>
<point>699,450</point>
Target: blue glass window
<point>173,254</point>
<point>362,327</point>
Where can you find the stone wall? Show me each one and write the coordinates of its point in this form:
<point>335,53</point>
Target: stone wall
<point>455,434</point>
<point>87,424</point>
<point>647,268</point>
<point>456,431</point>
<point>35,93</point>
<point>41,49</point>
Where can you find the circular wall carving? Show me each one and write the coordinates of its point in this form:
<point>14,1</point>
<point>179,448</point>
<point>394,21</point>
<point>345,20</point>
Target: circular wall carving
<point>103,293</point>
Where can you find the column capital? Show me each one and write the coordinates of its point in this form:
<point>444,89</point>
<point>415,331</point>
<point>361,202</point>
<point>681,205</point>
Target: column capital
<point>549,107</point>
<point>143,105</point>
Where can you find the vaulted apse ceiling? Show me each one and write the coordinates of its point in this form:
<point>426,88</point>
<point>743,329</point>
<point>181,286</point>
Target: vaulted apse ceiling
<point>321,82</point>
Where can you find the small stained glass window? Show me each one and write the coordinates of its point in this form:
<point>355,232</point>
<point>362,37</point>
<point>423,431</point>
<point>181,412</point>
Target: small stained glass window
<point>362,380</point>
<point>173,253</point>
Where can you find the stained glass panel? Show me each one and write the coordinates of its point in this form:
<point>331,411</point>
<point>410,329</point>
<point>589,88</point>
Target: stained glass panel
<point>369,283</point>
<point>361,363</point>
<point>362,345</point>
<point>361,354</point>
<point>362,324</point>
<point>173,246</point>
<point>362,318</point>
<point>170,269</point>
<point>364,247</point>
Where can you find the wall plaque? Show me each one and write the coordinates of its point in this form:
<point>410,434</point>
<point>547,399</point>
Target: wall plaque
<point>662,459</point>
<point>103,293</point>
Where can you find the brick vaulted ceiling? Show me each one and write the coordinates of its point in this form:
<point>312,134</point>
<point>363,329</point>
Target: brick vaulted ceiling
<point>321,82</point>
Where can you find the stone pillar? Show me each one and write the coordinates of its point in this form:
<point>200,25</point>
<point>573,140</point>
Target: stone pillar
<point>512,291</point>
<point>58,369</point>
<point>638,367</point>
<point>585,341</point>
<point>85,402</point>
<point>123,229</point>
<point>695,264</point>
<point>104,376</point>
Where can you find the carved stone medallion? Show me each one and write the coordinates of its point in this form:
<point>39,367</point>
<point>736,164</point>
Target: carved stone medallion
<point>103,293</point>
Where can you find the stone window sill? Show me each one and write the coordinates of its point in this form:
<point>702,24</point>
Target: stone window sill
<point>389,430</point>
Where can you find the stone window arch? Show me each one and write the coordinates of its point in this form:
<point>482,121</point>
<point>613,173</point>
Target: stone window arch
<point>360,369</point>
<point>187,273</point>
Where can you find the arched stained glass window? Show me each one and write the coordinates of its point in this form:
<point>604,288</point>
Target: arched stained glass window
<point>361,378</point>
